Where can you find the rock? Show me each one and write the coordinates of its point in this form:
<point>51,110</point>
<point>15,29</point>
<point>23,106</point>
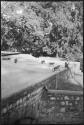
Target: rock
<point>18,102</point>
<point>24,99</point>
<point>4,110</point>
<point>72,97</point>
<point>25,103</point>
<point>21,100</point>
<point>59,115</point>
<point>67,103</point>
<point>28,95</point>
<point>66,98</point>
<point>70,104</point>
<point>77,98</point>
<point>61,98</point>
<point>52,98</point>
<point>62,103</point>
<point>57,98</point>
<point>76,102</point>
<point>10,106</point>
<point>62,109</point>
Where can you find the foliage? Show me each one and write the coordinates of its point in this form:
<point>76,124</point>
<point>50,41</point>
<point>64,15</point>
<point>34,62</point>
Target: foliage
<point>42,28</point>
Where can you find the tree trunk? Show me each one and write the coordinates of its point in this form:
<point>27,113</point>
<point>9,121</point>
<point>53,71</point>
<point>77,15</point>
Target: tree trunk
<point>56,54</point>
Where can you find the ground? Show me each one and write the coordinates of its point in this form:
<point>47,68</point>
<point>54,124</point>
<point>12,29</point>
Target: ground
<point>17,76</point>
<point>20,75</point>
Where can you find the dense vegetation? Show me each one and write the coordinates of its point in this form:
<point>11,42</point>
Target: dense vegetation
<point>43,28</point>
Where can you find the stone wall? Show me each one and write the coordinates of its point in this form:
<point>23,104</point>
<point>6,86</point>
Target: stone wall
<point>22,107</point>
<point>75,66</point>
<point>61,106</point>
<point>63,76</point>
<point>27,103</point>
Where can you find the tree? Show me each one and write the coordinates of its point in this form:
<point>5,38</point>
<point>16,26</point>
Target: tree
<point>51,28</point>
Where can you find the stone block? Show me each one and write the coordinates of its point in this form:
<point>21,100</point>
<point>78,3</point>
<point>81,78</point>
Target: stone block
<point>66,98</point>
<point>61,98</point>
<point>70,104</point>
<point>52,98</point>
<point>24,99</point>
<point>10,106</point>
<point>28,95</point>
<point>25,103</point>
<point>76,102</point>
<point>4,110</point>
<point>67,103</point>
<point>62,109</point>
<point>58,98</point>
<point>72,97</point>
<point>78,98</point>
<point>62,103</point>
<point>20,100</point>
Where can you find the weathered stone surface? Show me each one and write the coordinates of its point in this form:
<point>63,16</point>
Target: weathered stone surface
<point>10,106</point>
<point>66,98</point>
<point>20,100</point>
<point>72,97</point>
<point>62,103</point>
<point>67,103</point>
<point>76,102</point>
<point>4,110</point>
<point>25,103</point>
<point>58,98</point>
<point>28,95</point>
<point>61,98</point>
<point>62,109</point>
<point>52,98</point>
<point>70,104</point>
<point>25,106</point>
<point>24,99</point>
<point>78,98</point>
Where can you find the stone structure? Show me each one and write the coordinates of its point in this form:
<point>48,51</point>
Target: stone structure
<point>58,106</point>
<point>31,103</point>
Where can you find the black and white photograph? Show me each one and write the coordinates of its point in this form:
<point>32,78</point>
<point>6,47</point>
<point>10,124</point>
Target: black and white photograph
<point>41,62</point>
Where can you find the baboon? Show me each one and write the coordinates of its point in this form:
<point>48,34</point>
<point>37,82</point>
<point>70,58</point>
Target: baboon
<point>15,60</point>
<point>56,68</point>
<point>69,73</point>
